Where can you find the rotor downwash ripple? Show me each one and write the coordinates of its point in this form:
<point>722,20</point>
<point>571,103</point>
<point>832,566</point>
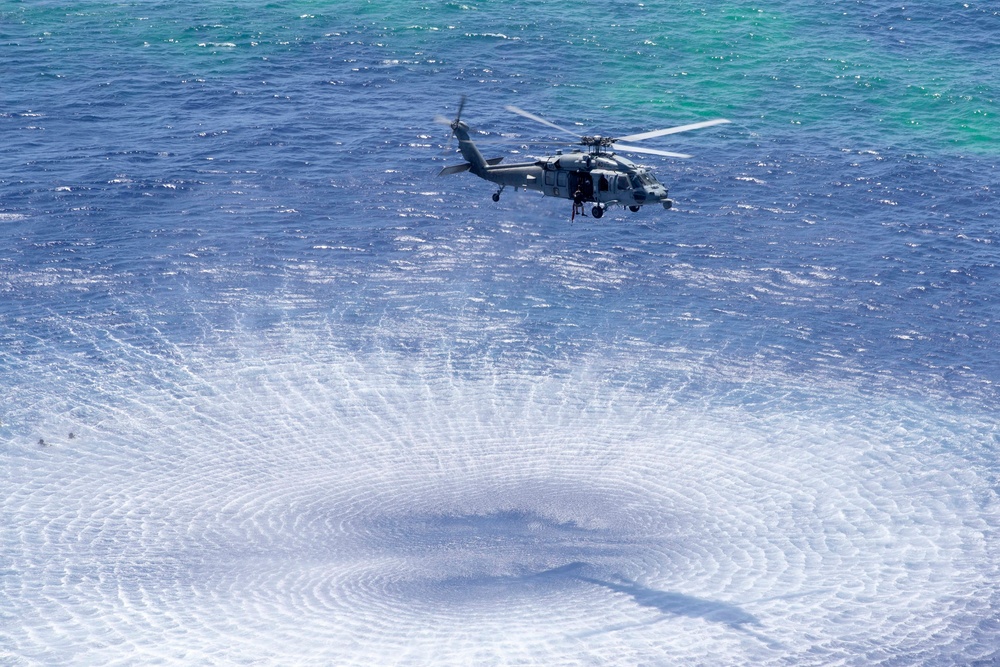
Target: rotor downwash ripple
<point>319,506</point>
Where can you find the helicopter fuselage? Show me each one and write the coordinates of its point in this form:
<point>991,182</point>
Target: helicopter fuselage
<point>597,176</point>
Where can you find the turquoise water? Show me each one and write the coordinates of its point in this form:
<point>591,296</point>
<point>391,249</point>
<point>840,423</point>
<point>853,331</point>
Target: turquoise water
<point>275,393</point>
<point>919,78</point>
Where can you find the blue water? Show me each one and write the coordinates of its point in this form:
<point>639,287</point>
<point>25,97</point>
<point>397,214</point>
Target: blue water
<point>224,218</point>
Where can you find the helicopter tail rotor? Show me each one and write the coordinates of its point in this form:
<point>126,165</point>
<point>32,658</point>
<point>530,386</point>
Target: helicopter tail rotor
<point>441,120</point>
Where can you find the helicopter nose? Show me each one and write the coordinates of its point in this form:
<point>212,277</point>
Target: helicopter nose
<point>653,193</point>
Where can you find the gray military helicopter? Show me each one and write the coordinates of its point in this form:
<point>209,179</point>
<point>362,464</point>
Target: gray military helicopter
<point>596,174</point>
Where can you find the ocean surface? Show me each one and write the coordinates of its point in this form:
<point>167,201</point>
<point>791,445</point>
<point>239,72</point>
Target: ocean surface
<point>275,393</point>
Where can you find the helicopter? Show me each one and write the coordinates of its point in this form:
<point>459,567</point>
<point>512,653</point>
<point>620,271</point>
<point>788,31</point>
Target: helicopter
<point>594,173</point>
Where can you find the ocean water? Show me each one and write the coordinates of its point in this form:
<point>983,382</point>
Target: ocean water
<point>275,393</point>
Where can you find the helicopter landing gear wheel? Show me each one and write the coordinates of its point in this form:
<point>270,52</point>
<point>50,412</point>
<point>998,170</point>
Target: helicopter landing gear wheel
<point>597,212</point>
<point>634,209</point>
<point>496,196</point>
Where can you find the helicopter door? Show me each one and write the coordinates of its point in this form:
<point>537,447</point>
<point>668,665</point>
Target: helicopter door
<point>580,181</point>
<point>550,183</point>
<point>603,185</point>
<point>603,189</point>
<point>562,184</point>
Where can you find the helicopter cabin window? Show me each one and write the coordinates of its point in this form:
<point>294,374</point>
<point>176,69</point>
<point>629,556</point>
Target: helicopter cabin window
<point>602,183</point>
<point>561,179</point>
<point>622,183</point>
<point>550,178</point>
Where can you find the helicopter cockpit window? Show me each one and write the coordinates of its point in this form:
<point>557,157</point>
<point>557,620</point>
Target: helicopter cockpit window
<point>636,182</point>
<point>622,182</point>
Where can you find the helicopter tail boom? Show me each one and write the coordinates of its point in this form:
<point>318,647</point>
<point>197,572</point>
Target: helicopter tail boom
<point>477,163</point>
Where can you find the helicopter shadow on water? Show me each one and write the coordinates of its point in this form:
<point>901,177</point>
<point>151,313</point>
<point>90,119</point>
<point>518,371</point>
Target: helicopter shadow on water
<point>669,604</point>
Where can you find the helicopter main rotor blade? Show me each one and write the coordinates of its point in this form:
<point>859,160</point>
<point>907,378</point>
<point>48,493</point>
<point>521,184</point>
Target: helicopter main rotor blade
<point>441,120</point>
<point>539,119</point>
<point>651,151</point>
<point>673,130</point>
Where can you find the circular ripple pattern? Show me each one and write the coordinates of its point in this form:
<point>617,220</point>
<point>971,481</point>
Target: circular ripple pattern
<point>302,505</point>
